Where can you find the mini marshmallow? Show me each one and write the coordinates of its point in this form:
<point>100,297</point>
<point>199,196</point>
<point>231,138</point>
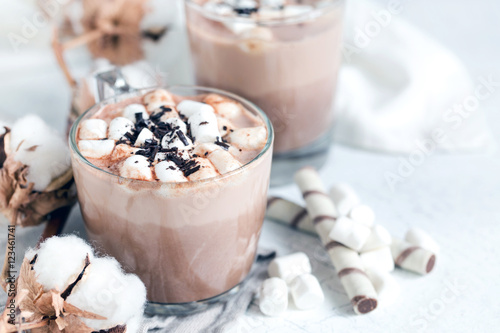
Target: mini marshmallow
<point>412,258</point>
<point>136,167</point>
<point>176,123</point>
<point>256,39</point>
<point>158,98</point>
<point>167,171</point>
<point>362,214</point>
<point>96,148</point>
<point>225,126</point>
<point>118,127</point>
<point>379,237</point>
<point>290,266</point>
<point>188,108</point>
<point>350,233</point>
<point>93,129</point>
<point>273,299</point>
<point>224,107</point>
<point>306,292</point>
<point>223,161</point>
<point>173,140</point>
<point>207,170</point>
<point>344,197</point>
<point>145,134</point>
<point>386,286</point>
<point>130,112</point>
<point>380,259</point>
<point>296,10</point>
<point>417,236</point>
<point>248,138</point>
<point>218,8</point>
<point>272,3</point>
<point>204,127</point>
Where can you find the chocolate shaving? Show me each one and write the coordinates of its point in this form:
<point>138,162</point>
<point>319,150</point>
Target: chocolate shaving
<point>155,34</point>
<point>138,117</point>
<point>222,144</point>
<point>204,123</point>
<point>70,288</point>
<point>191,171</point>
<point>182,137</point>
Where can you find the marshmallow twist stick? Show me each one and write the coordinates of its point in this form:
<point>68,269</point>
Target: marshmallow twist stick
<point>412,258</point>
<point>289,213</point>
<point>346,261</point>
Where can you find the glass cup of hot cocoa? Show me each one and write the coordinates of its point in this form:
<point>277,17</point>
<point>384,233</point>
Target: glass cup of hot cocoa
<point>172,182</point>
<point>283,55</point>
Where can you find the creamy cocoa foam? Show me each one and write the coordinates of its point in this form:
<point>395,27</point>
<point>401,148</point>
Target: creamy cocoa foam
<point>282,55</point>
<point>192,235</point>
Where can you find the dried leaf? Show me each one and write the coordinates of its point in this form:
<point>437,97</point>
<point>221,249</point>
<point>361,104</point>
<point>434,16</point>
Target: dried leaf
<point>73,310</point>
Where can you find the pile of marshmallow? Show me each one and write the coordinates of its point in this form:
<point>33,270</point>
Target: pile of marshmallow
<point>363,253</point>
<point>209,123</point>
<point>290,275</point>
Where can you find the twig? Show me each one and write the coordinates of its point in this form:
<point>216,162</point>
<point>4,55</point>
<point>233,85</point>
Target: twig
<point>55,224</point>
<point>58,51</point>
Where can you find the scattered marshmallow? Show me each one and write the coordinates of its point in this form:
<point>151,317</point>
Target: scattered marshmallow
<point>93,129</point>
<point>118,127</point>
<point>290,266</point>
<point>145,134</point>
<point>136,167</point>
<point>344,197</point>
<point>41,148</point>
<point>188,108</point>
<point>158,98</point>
<point>248,138</point>
<point>167,171</point>
<point>131,110</point>
<point>350,233</point>
<point>417,236</point>
<point>412,258</point>
<point>379,237</point>
<point>386,286</point>
<point>273,299</point>
<point>204,127</point>
<point>362,214</point>
<point>380,259</point>
<point>306,292</point>
<point>96,148</point>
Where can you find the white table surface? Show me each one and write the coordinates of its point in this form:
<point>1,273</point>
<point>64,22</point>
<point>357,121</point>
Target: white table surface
<point>454,197</point>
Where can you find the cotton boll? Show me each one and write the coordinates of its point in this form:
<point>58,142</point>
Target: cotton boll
<point>106,290</point>
<point>60,260</point>
<point>41,148</point>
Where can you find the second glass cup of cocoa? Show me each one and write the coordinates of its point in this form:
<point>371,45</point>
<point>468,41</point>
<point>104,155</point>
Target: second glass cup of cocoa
<point>190,242</point>
<point>285,59</point>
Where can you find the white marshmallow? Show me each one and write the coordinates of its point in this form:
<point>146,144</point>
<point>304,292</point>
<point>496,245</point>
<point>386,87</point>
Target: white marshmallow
<point>145,134</point>
<point>167,171</point>
<point>130,111</point>
<point>172,140</point>
<point>417,236</point>
<point>223,161</point>
<point>248,138</point>
<point>96,148</point>
<point>136,167</point>
<point>272,3</point>
<point>228,109</point>
<point>344,197</point>
<point>93,129</point>
<point>207,170</point>
<point>188,108</point>
<point>306,292</point>
<point>273,299</point>
<point>290,266</point>
<point>118,127</point>
<point>158,98</point>
<point>176,123</point>
<point>363,214</point>
<point>225,126</point>
<point>218,8</point>
<point>238,28</point>
<point>350,233</point>
<point>380,259</point>
<point>204,127</point>
<point>379,237</point>
<point>291,11</point>
<point>386,286</point>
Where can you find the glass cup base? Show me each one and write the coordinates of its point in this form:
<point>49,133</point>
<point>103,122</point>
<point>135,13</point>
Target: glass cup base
<point>286,164</point>
<point>183,309</point>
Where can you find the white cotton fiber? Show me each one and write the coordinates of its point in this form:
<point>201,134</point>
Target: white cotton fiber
<point>107,291</point>
<point>41,148</point>
<point>2,127</point>
<point>60,260</point>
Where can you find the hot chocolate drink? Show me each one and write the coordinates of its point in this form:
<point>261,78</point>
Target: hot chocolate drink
<point>173,184</point>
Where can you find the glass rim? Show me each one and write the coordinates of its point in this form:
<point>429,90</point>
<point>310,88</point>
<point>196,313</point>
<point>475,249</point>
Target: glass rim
<point>270,136</point>
<point>315,13</point>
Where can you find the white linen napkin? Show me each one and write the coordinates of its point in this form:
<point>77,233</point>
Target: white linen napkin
<point>397,86</point>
